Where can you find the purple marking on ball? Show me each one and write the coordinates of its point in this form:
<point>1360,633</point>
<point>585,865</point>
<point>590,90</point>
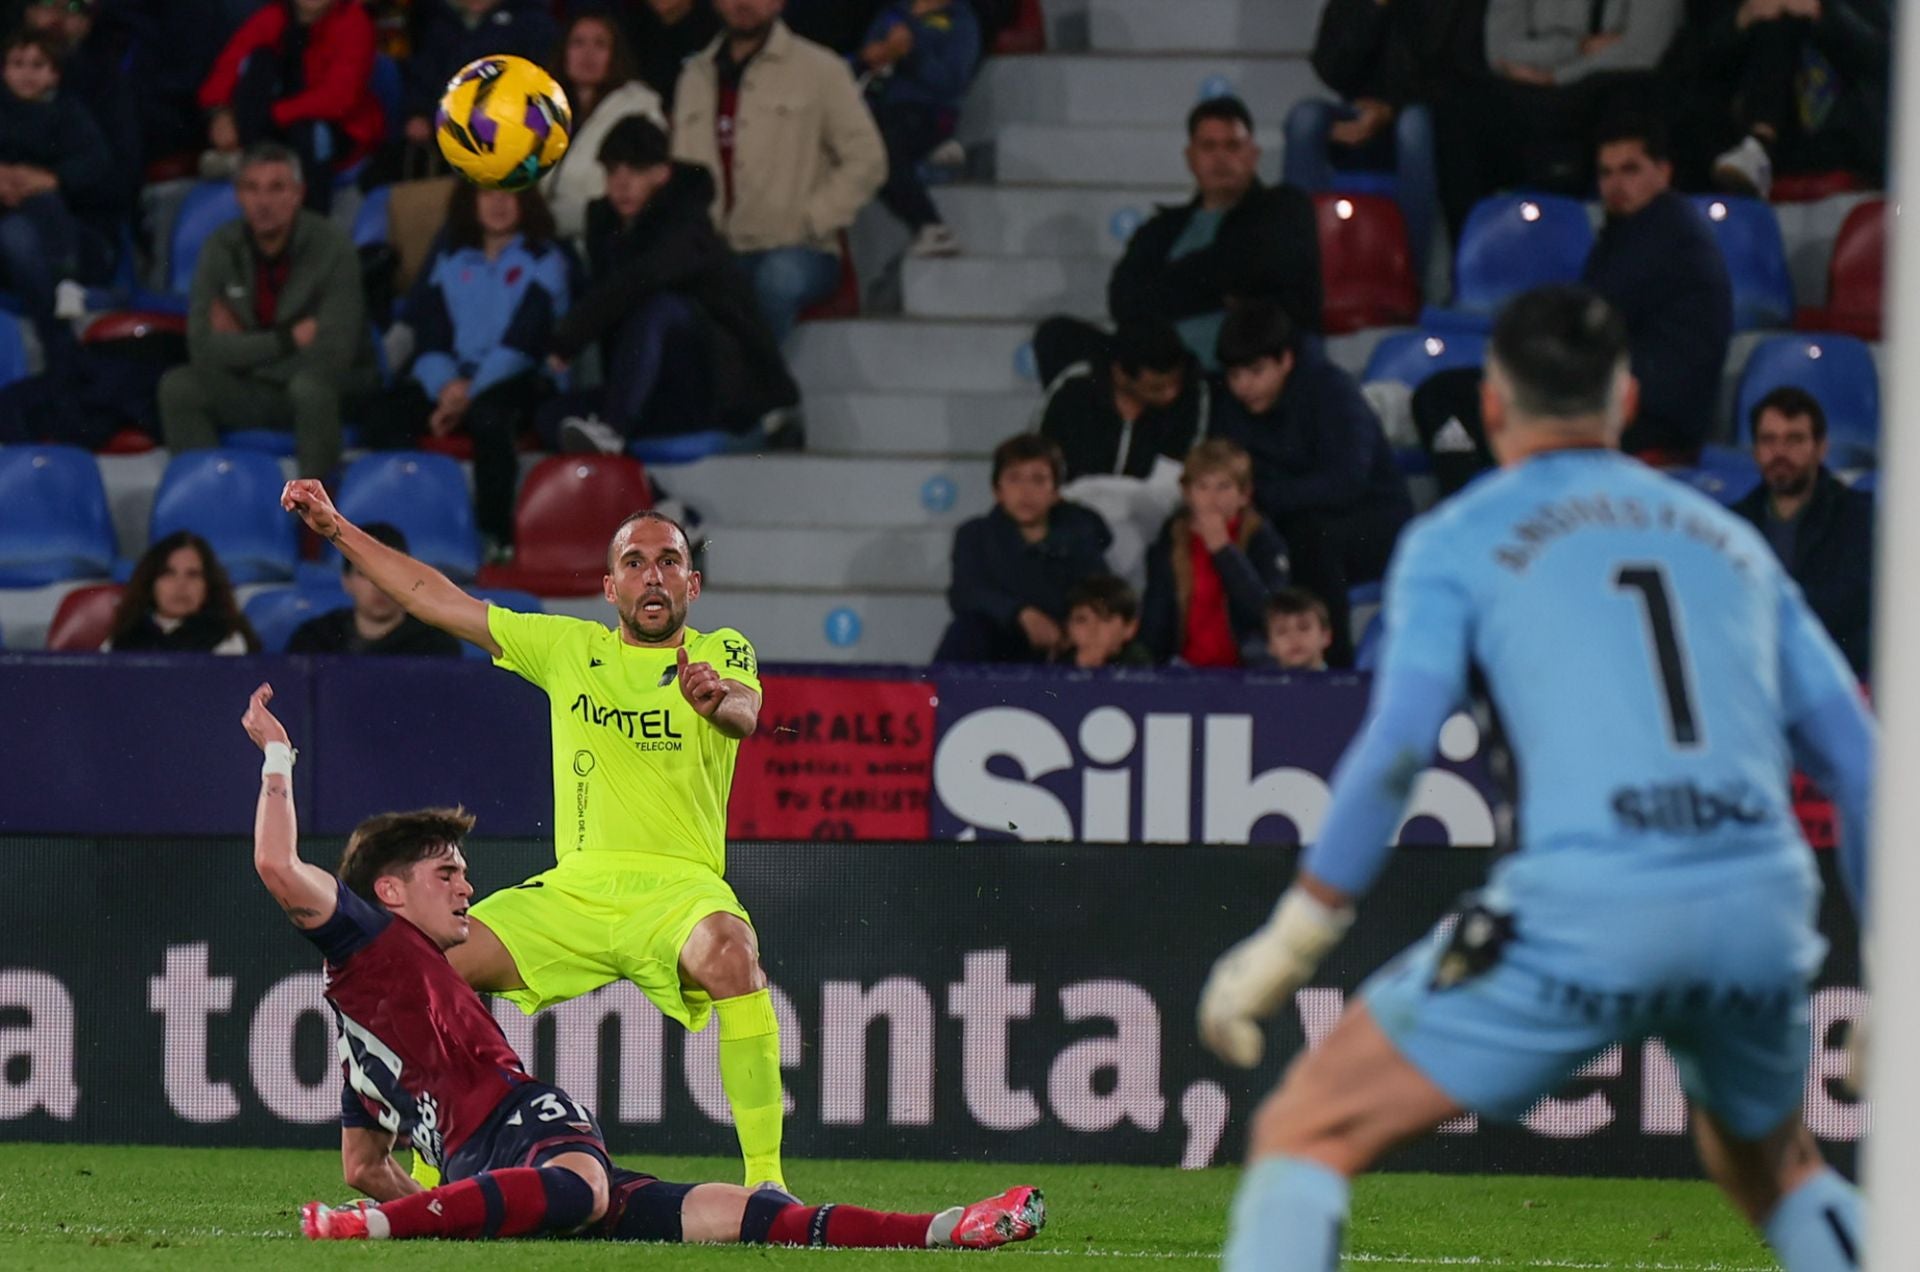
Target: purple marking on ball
<point>537,122</point>
<point>485,129</point>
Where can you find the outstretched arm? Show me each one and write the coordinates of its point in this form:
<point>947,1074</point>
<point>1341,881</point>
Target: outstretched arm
<point>306,892</point>
<point>421,590</point>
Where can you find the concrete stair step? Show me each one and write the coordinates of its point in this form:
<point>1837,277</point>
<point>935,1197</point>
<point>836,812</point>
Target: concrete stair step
<point>1081,154</point>
<point>828,490</point>
<point>841,626</point>
<point>1004,286</point>
<point>1128,89</point>
<point>878,559</point>
<point>913,356</point>
<point>1234,26</point>
<point>1049,221</point>
<point>969,424</point>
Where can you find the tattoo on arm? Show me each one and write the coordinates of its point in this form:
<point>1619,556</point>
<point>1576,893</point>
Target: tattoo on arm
<point>299,912</point>
<point>275,786</point>
<point>417,585</point>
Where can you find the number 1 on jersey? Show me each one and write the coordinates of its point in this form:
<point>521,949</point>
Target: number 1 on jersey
<point>1656,603</point>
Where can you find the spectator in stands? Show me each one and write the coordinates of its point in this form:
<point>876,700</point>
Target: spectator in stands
<point>276,326</point>
<point>297,72</point>
<point>1299,631</point>
<point>374,623</point>
<point>1237,239</point>
<point>1322,470</point>
<point>1808,80</point>
<point>1013,568</point>
<point>663,35</point>
<point>179,601</point>
<point>919,55</point>
<point>793,151</point>
<point>595,68</point>
<point>452,33</point>
<point>1821,530</point>
<point>483,314</point>
<point>91,72</point>
<point>1214,567</point>
<point>1656,261</point>
<point>1103,621</point>
<point>57,190</point>
<point>680,330</point>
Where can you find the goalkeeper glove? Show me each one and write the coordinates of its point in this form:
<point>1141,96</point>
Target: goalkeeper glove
<point>1251,980</point>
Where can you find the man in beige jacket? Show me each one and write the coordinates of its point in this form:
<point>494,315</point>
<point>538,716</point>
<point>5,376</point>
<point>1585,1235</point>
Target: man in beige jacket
<point>792,147</point>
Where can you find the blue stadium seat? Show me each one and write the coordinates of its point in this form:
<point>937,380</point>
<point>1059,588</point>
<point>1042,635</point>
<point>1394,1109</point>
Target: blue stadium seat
<point>207,207</point>
<point>370,225</point>
<point>1513,242</point>
<point>54,521</point>
<point>1837,370</point>
<point>386,85</point>
<point>278,442</point>
<point>231,498</point>
<point>681,448</point>
<point>276,614</point>
<point>425,496</point>
<point>506,598</point>
<point>1868,482</point>
<point>1749,236</point>
<point>1409,357</point>
<point>1724,474</point>
<point>13,351</point>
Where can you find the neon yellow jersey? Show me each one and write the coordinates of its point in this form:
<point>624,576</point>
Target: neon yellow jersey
<point>635,769</point>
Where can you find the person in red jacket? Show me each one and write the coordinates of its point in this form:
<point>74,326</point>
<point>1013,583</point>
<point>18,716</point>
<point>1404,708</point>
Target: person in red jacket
<point>298,72</point>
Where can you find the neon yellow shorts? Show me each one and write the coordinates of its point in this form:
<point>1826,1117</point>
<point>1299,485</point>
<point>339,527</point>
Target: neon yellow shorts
<point>591,921</point>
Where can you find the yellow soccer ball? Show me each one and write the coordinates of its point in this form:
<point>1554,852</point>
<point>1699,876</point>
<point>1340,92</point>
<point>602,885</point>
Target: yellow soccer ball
<point>502,122</point>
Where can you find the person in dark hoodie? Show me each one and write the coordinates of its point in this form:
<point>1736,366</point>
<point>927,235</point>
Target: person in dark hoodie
<point>94,70</point>
<point>1821,530</point>
<point>1217,565</point>
<point>1322,470</point>
<point>1116,414</point>
<point>921,55</point>
<point>1656,262</point>
<point>452,33</point>
<point>375,623</point>
<point>1014,568</point>
<point>57,191</point>
<point>680,330</point>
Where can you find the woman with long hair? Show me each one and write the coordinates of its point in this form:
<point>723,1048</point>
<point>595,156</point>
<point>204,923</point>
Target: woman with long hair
<point>596,67</point>
<point>482,313</point>
<point>179,600</point>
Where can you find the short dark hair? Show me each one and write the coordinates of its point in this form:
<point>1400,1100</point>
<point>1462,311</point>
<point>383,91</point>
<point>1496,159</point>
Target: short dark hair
<point>1107,595</point>
<point>1289,602</point>
<point>1022,448</point>
<point>1649,131</point>
<point>648,514</point>
<point>1225,107</point>
<point>1560,347</point>
<point>463,216</point>
<point>393,843</point>
<point>270,152</point>
<point>635,142</point>
<point>1149,344</point>
<point>49,44</point>
<point>1793,402</point>
<point>384,533</point>
<point>1254,330</point>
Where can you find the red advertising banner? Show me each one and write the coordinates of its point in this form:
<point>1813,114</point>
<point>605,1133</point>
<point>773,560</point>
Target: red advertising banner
<point>836,759</point>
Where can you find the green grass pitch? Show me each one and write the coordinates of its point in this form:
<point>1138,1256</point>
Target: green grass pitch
<point>78,1206</point>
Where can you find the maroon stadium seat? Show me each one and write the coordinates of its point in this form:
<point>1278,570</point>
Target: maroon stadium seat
<point>1811,187</point>
<point>1856,276</point>
<point>1366,269</point>
<point>845,300</point>
<point>567,510</point>
<point>1027,33</point>
<point>84,618</point>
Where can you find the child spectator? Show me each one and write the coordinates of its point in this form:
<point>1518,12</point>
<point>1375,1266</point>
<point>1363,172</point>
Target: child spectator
<point>1103,619</point>
<point>299,72</point>
<point>179,601</point>
<point>920,55</point>
<point>374,623</point>
<point>1299,631</point>
<point>483,314</point>
<point>1013,568</point>
<point>595,69</point>
<point>1215,566</point>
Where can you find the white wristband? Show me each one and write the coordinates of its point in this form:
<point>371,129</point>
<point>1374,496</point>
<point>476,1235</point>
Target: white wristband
<point>279,761</point>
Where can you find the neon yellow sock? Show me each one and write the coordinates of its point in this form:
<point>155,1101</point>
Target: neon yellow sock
<point>428,1176</point>
<point>750,1072</point>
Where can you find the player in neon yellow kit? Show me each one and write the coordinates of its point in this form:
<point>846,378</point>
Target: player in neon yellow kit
<point>647,720</point>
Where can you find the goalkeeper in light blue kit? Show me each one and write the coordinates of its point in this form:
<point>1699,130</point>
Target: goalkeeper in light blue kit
<point>1654,676</point>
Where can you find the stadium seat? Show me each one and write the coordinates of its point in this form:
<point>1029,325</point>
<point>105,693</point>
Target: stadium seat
<point>278,442</point>
<point>1811,187</point>
<point>1868,482</point>
<point>1748,233</point>
<point>13,352</point>
<point>276,614</point>
<point>231,498</point>
<point>54,521</point>
<point>425,496</point>
<point>1838,370</point>
<point>387,87</point>
<point>566,512</point>
<point>1856,276</point>
<point>1724,473</point>
<point>681,448</point>
<point>207,207</point>
<point>1366,268</point>
<point>1512,242</point>
<point>844,302</point>
<point>1027,33</point>
<point>84,618</point>
<point>1409,357</point>
<point>370,222</point>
